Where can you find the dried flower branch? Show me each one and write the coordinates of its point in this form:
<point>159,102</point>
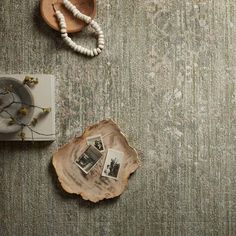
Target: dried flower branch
<point>24,110</point>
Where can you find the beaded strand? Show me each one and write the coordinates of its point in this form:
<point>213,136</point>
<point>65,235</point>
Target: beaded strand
<point>87,19</point>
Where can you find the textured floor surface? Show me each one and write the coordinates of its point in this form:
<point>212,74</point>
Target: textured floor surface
<point>167,77</point>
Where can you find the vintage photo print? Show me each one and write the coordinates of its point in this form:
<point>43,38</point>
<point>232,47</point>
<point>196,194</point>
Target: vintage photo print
<point>97,142</point>
<point>112,164</point>
<point>88,159</point>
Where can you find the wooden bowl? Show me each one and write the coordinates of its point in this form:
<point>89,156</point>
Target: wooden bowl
<point>88,7</point>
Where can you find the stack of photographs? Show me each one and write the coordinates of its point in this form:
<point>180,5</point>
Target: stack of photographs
<point>93,153</point>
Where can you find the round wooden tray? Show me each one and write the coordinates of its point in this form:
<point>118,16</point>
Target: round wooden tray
<point>88,7</point>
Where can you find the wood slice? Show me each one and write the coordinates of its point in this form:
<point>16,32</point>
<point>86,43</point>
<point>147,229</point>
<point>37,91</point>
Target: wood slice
<point>88,7</point>
<point>93,186</point>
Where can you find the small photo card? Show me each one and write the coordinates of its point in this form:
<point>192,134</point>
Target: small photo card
<point>88,159</point>
<point>97,142</point>
<point>112,164</point>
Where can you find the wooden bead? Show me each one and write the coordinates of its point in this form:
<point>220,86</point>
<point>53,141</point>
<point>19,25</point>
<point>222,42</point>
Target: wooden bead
<point>66,40</point>
<point>82,17</point>
<point>74,47</point>
<point>78,15</point>
<point>95,52</point>
<point>85,51</point>
<point>63,25</point>
<point>64,35</point>
<point>95,24</point>
<point>89,53</point>
<point>100,33</point>
<point>101,43</point>
<point>75,12</point>
<point>82,50</point>
<point>78,48</point>
<point>71,43</point>
<point>98,28</point>
<point>92,23</point>
<point>73,8</point>
<point>87,19</point>
<point>63,30</point>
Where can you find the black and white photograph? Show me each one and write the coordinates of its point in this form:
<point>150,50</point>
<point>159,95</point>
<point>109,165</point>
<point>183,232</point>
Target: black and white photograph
<point>112,164</point>
<point>97,142</point>
<point>88,159</point>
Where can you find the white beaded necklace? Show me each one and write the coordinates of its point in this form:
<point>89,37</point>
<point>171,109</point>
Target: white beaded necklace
<point>85,18</point>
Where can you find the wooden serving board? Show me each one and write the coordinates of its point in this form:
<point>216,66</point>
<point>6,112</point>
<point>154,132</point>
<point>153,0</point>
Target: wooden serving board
<point>93,186</point>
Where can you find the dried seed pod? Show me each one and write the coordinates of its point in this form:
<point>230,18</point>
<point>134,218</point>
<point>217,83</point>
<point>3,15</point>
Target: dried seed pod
<point>22,136</point>
<point>47,110</point>
<point>34,121</point>
<point>23,111</point>
<point>30,81</point>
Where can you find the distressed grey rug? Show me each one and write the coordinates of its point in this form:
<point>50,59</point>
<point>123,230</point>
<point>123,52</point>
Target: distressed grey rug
<point>167,77</point>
